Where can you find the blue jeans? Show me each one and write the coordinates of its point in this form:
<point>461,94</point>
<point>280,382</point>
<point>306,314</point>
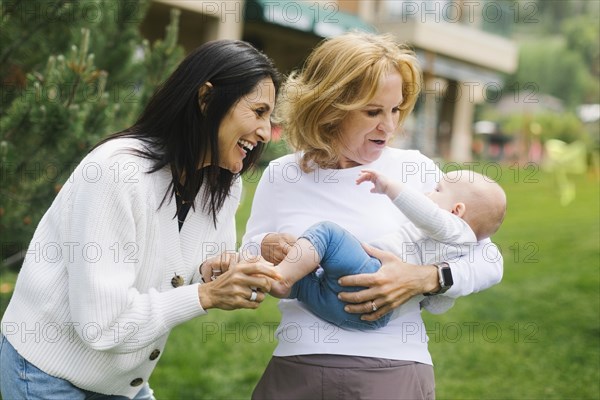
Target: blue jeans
<point>341,254</point>
<point>20,379</point>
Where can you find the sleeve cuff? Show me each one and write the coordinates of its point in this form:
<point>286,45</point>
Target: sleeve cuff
<point>181,305</point>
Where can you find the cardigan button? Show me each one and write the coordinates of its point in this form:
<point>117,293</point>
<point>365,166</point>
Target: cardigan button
<point>154,355</point>
<point>177,281</point>
<point>136,382</point>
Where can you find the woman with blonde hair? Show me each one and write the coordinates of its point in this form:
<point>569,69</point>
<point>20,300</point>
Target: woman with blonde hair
<point>339,114</point>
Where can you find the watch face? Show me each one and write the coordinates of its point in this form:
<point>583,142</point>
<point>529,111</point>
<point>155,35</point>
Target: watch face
<point>447,276</point>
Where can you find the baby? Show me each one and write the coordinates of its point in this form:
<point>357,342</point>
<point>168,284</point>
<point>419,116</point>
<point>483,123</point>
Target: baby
<point>465,207</point>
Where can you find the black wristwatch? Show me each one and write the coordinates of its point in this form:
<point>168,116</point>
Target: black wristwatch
<point>445,278</point>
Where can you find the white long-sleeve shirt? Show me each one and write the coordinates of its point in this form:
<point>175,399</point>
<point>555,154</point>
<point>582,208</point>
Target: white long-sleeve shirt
<point>288,200</point>
<point>94,301</point>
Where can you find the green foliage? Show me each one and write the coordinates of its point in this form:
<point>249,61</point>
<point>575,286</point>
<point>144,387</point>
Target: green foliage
<point>554,69</point>
<point>564,66</point>
<point>51,119</point>
<point>160,58</point>
<point>551,13</point>
<point>275,149</point>
<point>32,30</point>
<point>582,34</point>
<point>559,49</point>
<point>566,127</point>
<point>543,18</point>
<point>29,32</point>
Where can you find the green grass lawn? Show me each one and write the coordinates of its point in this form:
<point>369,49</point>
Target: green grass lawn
<point>534,336</point>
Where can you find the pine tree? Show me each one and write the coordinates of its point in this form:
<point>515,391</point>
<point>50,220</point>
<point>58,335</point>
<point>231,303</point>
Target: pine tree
<point>51,116</point>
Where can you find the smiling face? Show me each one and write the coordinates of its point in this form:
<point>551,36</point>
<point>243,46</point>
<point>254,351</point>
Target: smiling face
<point>366,132</point>
<point>245,125</point>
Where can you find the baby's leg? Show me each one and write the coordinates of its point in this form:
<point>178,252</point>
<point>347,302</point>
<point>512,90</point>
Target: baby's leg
<point>342,255</point>
<point>340,252</point>
<point>324,241</point>
<point>301,260</point>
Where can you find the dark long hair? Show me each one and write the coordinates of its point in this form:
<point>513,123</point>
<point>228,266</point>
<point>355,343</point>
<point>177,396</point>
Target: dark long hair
<point>177,133</point>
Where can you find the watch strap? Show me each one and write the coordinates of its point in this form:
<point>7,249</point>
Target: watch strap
<point>444,276</point>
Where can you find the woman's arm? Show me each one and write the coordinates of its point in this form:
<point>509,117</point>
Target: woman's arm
<point>104,290</point>
<point>396,282</point>
<point>480,269</point>
<point>108,213</point>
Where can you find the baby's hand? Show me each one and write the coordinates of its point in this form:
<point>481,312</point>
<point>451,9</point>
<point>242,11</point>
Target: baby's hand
<point>381,183</point>
<point>280,289</point>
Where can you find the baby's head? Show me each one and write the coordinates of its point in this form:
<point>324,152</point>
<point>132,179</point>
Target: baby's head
<point>477,199</point>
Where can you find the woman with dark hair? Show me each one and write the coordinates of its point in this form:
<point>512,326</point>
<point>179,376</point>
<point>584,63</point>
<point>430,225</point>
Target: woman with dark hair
<point>115,262</point>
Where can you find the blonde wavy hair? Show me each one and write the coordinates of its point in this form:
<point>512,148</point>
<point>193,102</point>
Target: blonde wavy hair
<point>340,75</point>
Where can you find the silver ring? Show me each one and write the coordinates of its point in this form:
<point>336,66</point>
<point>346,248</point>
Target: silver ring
<point>373,306</point>
<point>254,295</point>
<point>215,274</point>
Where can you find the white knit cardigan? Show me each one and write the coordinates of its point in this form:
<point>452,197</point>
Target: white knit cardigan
<point>94,301</point>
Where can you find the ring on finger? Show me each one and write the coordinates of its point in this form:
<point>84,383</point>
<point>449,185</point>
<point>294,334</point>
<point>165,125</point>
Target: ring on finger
<point>254,295</point>
<point>373,305</point>
<point>215,274</point>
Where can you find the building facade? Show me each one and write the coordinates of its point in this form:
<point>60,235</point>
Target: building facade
<point>462,45</point>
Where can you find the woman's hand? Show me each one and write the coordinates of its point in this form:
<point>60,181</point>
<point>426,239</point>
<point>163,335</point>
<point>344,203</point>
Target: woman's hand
<point>393,285</point>
<point>217,265</point>
<point>275,246</point>
<point>243,285</point>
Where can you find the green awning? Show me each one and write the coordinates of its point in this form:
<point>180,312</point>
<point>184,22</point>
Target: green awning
<point>321,19</point>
